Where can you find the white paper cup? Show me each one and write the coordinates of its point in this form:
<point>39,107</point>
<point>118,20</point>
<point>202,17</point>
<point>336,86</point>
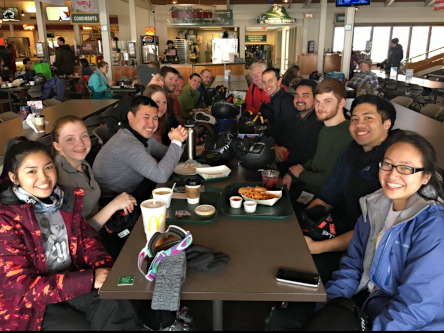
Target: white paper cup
<point>32,83</point>
<point>10,85</point>
<point>164,197</point>
<point>250,206</point>
<point>236,202</point>
<point>154,217</point>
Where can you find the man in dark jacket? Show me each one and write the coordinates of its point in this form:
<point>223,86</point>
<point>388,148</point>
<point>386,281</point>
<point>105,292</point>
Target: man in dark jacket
<point>395,55</point>
<point>299,141</point>
<point>282,110</point>
<point>64,64</point>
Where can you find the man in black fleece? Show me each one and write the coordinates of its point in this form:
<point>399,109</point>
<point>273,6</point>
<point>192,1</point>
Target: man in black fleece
<point>298,142</point>
<point>282,105</point>
<point>64,64</point>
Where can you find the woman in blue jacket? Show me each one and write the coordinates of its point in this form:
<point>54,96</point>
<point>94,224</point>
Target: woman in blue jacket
<point>98,82</point>
<point>395,258</point>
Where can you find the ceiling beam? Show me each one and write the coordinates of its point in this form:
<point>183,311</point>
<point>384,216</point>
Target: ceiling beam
<point>228,4</point>
<point>307,3</point>
<point>289,5</point>
<point>388,3</point>
<point>428,3</point>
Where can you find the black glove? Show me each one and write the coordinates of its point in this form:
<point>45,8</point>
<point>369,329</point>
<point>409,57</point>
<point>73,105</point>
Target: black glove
<point>203,259</point>
<point>315,213</point>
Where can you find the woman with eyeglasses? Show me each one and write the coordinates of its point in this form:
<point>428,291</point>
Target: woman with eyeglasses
<point>395,262</point>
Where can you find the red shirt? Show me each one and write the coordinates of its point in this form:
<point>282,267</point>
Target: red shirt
<point>255,99</point>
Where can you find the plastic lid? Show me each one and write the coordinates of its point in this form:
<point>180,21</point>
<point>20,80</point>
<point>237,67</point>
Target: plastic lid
<point>193,182</point>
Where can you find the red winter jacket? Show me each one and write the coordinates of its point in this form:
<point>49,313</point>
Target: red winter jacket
<point>255,98</point>
<point>26,288</point>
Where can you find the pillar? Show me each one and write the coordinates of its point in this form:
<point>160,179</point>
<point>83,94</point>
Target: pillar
<point>348,40</point>
<point>106,35</point>
<point>41,27</point>
<point>322,23</point>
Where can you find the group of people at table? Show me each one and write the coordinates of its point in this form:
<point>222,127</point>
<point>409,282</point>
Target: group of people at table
<point>60,217</point>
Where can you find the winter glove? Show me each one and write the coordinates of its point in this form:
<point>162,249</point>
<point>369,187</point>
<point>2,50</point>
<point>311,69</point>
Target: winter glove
<point>203,259</point>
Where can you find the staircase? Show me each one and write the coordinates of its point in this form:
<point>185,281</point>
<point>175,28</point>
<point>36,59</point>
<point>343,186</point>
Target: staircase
<point>431,64</point>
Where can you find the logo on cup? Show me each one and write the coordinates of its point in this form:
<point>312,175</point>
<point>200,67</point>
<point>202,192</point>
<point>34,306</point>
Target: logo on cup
<point>157,221</point>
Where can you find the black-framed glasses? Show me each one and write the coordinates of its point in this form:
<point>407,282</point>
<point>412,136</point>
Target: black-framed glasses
<point>402,169</point>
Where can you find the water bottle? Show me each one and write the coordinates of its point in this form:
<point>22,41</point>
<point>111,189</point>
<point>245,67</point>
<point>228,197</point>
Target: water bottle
<point>191,147</point>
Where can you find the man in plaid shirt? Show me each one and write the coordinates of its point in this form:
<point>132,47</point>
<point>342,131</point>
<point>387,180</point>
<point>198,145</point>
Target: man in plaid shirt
<point>364,76</point>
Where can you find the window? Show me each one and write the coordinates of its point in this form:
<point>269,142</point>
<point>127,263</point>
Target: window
<point>403,34</point>
<point>339,38</point>
<point>360,37</point>
<point>436,41</point>
<point>380,44</point>
<point>418,44</point>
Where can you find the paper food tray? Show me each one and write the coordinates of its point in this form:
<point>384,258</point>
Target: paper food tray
<point>214,172</point>
<point>270,202</point>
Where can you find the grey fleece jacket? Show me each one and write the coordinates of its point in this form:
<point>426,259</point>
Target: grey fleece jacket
<point>124,162</point>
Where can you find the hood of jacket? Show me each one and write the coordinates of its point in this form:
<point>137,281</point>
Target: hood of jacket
<point>64,47</point>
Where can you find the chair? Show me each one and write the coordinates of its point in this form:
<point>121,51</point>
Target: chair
<point>5,116</point>
<point>35,92</point>
<point>102,134</point>
<point>106,114</point>
<point>92,123</point>
<point>390,89</point>
<point>51,102</point>
<point>430,110</point>
<point>46,140</point>
<point>402,100</point>
<point>416,92</point>
<point>402,88</point>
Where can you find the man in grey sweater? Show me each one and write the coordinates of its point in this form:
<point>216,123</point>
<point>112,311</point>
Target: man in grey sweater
<point>132,154</point>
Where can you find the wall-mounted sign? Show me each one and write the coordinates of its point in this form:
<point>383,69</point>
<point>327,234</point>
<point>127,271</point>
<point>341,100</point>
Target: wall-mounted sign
<point>150,31</point>
<point>348,27</point>
<point>340,18</point>
<point>256,39</point>
<point>276,15</point>
<point>308,15</point>
<point>77,18</point>
<point>85,5</point>
<point>192,16</point>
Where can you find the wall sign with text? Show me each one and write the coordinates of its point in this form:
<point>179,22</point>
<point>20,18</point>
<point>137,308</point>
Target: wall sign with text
<point>275,15</point>
<point>256,39</point>
<point>192,16</point>
<point>77,18</point>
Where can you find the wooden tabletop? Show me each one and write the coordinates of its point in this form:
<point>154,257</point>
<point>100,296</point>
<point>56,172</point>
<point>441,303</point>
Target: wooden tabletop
<point>82,108</point>
<point>410,120</point>
<point>257,249</point>
<point>238,82</point>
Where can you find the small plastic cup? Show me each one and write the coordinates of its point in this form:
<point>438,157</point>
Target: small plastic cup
<point>250,206</point>
<point>236,202</point>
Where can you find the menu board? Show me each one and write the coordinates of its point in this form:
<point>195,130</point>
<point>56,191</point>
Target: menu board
<point>55,13</point>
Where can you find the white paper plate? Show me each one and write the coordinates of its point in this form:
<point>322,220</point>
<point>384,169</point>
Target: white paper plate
<point>214,172</point>
<point>181,169</point>
<point>270,202</point>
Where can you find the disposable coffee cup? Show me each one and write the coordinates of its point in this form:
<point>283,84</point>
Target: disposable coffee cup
<point>32,83</point>
<point>40,123</point>
<point>10,85</point>
<point>192,188</point>
<point>163,193</point>
<point>154,217</point>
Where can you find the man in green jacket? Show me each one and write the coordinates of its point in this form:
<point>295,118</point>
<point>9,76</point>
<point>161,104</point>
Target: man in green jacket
<point>330,96</point>
<point>190,96</point>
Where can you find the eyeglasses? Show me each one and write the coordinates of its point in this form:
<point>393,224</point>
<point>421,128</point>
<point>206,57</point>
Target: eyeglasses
<point>402,169</point>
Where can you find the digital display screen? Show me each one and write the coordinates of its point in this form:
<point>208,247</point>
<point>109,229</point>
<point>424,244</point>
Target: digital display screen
<point>345,3</point>
<point>55,13</point>
<point>11,14</point>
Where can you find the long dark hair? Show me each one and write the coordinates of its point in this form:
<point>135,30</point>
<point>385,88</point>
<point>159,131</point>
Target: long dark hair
<point>429,162</point>
<point>17,150</point>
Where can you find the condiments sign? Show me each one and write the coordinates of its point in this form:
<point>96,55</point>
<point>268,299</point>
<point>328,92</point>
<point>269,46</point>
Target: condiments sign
<point>77,18</point>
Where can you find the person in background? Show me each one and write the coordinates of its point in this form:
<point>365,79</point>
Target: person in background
<point>255,94</point>
<point>299,140</point>
<point>98,82</point>
<point>53,262</point>
<point>283,111</point>
<point>65,58</point>
<point>86,70</point>
<point>290,74</point>
<point>167,119</point>
<point>354,61</point>
<point>395,55</point>
<point>2,40</point>
<point>174,96</point>
<point>365,76</point>
<point>190,96</point>
<point>207,80</point>
<point>330,96</point>
<point>5,73</point>
<point>173,59</point>
<point>11,48</point>
<point>130,155</point>
<point>29,72</point>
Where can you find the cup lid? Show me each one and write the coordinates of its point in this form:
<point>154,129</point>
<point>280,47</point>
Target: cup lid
<point>193,182</point>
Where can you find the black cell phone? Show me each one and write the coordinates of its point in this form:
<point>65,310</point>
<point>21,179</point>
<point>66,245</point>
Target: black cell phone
<point>300,278</point>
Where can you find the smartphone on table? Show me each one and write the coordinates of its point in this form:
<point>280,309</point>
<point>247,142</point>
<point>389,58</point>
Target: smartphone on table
<point>299,278</point>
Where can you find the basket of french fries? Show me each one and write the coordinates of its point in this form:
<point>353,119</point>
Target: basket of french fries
<point>260,195</point>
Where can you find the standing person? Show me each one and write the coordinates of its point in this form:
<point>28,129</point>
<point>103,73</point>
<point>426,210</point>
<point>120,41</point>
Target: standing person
<point>190,96</point>
<point>86,70</point>
<point>207,80</point>
<point>330,96</point>
<point>11,48</point>
<point>29,72</point>
<point>283,111</point>
<point>354,61</point>
<point>98,82</point>
<point>53,263</point>
<point>299,140</point>
<point>171,56</point>
<point>65,58</point>
<point>72,144</point>
<point>167,119</point>
<point>395,55</point>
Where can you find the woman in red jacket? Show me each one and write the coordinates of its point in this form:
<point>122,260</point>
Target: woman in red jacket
<point>52,263</point>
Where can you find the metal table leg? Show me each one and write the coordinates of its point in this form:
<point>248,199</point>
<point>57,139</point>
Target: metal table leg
<point>10,101</point>
<point>218,316</point>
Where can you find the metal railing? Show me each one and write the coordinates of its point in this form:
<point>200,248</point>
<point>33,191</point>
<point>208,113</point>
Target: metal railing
<point>424,54</point>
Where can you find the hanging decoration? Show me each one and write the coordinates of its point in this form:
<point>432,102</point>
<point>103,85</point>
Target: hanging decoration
<point>85,5</point>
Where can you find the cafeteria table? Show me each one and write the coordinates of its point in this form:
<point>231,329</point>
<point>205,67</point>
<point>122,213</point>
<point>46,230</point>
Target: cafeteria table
<point>258,248</point>
<point>82,108</point>
<point>237,83</point>
<point>9,91</point>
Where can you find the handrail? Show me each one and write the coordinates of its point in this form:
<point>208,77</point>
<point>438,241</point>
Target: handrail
<point>406,60</point>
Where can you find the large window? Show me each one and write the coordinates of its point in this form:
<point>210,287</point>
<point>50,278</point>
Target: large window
<point>418,45</point>
<point>380,44</point>
<point>360,37</point>
<point>436,41</point>
<point>338,42</point>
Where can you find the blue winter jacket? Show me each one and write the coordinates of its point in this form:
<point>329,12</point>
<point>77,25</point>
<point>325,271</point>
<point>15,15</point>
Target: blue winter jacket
<point>98,86</point>
<point>407,268</point>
